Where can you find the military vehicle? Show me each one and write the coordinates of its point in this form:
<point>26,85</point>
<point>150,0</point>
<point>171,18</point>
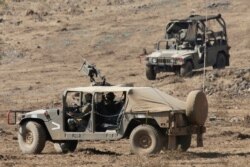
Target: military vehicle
<point>149,118</point>
<point>185,43</point>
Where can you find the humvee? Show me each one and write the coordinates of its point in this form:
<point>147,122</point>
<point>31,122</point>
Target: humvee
<point>185,43</point>
<point>149,118</point>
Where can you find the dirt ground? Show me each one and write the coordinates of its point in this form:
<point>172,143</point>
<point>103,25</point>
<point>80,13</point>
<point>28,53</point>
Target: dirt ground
<point>41,47</point>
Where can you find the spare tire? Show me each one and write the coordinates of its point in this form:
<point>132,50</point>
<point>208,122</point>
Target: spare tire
<point>197,107</point>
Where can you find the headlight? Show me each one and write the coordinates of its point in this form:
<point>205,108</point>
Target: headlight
<point>154,60</point>
<point>179,61</point>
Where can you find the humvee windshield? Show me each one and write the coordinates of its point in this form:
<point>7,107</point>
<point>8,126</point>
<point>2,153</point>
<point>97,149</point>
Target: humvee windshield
<point>174,28</point>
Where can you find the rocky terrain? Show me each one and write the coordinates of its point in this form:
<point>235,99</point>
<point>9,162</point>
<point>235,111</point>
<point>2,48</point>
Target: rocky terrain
<point>41,48</point>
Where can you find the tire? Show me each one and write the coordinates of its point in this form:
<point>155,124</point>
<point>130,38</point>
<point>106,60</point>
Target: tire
<point>196,107</point>
<point>183,142</point>
<point>186,69</point>
<point>150,73</point>
<point>220,61</point>
<point>145,139</point>
<point>31,138</point>
<point>65,147</point>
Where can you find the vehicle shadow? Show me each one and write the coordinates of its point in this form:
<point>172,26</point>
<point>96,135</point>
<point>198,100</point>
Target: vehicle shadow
<point>217,154</point>
<point>197,73</point>
<point>194,73</point>
<point>97,152</point>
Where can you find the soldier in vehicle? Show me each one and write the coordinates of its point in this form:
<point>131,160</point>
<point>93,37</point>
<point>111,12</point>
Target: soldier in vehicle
<point>112,107</point>
<point>87,103</point>
<point>110,103</point>
<point>107,111</point>
<point>80,115</point>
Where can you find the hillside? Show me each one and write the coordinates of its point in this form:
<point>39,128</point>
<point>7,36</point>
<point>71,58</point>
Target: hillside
<point>41,48</point>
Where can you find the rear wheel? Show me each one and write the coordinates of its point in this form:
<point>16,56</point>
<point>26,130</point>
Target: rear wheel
<point>220,61</point>
<point>31,137</point>
<point>183,142</point>
<point>145,139</point>
<point>150,73</point>
<point>65,147</point>
<point>186,69</point>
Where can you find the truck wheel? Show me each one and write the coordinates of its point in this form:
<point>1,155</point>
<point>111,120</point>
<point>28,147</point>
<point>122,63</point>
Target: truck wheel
<point>145,139</point>
<point>150,73</point>
<point>186,69</point>
<point>220,61</point>
<point>184,142</point>
<point>65,147</point>
<point>196,107</point>
<point>31,137</point>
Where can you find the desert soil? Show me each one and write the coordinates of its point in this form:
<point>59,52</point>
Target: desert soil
<point>41,47</point>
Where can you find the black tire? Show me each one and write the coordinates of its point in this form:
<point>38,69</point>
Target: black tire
<point>183,142</point>
<point>186,69</point>
<point>65,147</point>
<point>150,73</point>
<point>220,61</point>
<point>31,137</point>
<point>145,139</point>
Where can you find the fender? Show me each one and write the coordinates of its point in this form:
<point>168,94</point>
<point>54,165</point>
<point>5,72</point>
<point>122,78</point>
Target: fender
<point>52,119</point>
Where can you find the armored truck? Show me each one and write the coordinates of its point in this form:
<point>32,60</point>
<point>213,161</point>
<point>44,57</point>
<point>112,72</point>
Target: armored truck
<point>149,118</point>
<point>185,44</point>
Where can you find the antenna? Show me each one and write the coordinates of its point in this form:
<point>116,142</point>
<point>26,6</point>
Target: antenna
<point>205,52</point>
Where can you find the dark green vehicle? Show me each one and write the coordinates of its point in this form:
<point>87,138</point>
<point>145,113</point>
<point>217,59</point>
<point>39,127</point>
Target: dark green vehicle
<point>150,118</point>
<point>185,43</point>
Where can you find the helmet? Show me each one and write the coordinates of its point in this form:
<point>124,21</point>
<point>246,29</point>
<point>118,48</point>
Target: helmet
<point>88,97</point>
<point>110,96</point>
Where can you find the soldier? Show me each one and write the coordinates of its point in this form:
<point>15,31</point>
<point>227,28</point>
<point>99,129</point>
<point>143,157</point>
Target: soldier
<point>87,103</point>
<point>112,108</point>
<point>80,116</point>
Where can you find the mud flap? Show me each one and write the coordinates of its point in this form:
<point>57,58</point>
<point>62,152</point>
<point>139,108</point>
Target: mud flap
<point>171,142</point>
<point>199,140</point>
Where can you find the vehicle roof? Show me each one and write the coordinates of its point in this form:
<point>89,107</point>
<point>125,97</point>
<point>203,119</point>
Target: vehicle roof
<point>92,89</point>
<point>198,18</point>
<point>140,99</point>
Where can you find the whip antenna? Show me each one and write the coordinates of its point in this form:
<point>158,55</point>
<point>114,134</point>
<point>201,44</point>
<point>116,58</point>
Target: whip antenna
<point>205,51</point>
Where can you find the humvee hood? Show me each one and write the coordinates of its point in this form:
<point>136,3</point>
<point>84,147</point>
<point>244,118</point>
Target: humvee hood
<point>35,114</point>
<point>170,53</point>
<point>41,111</point>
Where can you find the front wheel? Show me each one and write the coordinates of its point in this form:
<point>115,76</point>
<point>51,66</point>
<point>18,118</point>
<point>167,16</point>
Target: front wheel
<point>65,147</point>
<point>31,137</point>
<point>145,139</point>
<point>150,73</point>
<point>186,69</point>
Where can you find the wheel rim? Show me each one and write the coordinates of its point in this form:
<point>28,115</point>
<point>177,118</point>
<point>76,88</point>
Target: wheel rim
<point>145,141</point>
<point>28,137</point>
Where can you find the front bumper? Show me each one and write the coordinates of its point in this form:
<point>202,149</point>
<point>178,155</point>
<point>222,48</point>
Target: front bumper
<point>165,61</point>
